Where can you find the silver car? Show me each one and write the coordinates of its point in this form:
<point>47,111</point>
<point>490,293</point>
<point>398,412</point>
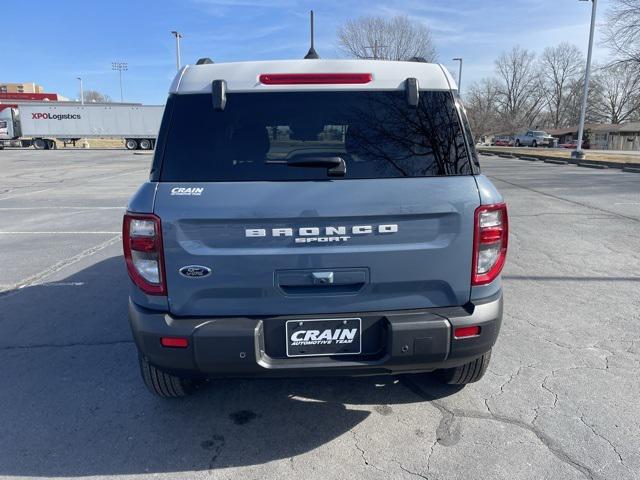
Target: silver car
<point>534,138</point>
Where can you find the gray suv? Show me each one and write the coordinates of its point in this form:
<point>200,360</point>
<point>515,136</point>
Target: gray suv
<point>314,217</point>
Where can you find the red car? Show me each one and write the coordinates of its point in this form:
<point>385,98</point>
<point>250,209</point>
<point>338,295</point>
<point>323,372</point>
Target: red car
<point>503,142</point>
<point>573,144</point>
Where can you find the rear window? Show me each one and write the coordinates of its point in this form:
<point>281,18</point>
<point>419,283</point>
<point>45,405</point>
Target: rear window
<point>258,136</point>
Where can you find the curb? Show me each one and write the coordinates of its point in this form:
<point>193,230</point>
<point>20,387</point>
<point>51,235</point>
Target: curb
<point>592,165</point>
<point>602,164</point>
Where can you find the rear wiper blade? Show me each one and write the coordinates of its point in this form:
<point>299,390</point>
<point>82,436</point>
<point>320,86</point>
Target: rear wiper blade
<point>336,167</point>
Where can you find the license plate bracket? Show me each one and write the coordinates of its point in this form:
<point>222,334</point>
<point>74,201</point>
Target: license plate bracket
<point>324,337</point>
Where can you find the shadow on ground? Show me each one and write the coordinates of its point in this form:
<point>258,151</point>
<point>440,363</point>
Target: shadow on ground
<point>72,402</point>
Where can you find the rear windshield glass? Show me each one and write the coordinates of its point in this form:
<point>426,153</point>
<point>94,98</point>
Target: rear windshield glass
<point>260,136</point>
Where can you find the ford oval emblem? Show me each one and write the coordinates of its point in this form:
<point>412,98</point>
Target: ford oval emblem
<point>195,271</point>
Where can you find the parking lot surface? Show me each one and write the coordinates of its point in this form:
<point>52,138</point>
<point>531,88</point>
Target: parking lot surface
<point>560,399</point>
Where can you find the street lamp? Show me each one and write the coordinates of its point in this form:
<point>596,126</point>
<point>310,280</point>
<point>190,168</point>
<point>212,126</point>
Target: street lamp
<point>178,36</point>
<point>578,153</point>
<point>81,91</point>
<point>459,72</point>
<point>120,67</point>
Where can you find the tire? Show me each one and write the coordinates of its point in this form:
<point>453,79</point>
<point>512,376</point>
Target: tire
<point>145,144</point>
<point>39,143</point>
<point>534,144</point>
<point>51,144</point>
<point>467,373</point>
<point>131,143</point>
<point>163,384</point>
<point>517,143</point>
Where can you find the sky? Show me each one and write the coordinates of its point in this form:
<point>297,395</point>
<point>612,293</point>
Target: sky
<point>71,38</point>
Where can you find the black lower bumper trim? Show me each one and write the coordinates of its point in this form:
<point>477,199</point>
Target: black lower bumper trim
<point>398,342</point>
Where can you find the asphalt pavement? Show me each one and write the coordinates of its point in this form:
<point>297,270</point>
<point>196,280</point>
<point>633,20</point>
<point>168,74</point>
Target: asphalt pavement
<point>560,398</point>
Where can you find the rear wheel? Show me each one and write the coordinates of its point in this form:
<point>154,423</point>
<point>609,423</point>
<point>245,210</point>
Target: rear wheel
<point>39,143</point>
<point>534,144</point>
<point>163,384</point>
<point>51,145</point>
<point>467,373</point>
<point>131,143</point>
<point>145,144</point>
<point>517,143</point>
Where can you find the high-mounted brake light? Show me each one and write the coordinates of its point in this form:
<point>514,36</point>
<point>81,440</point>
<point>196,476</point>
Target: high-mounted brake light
<point>143,253</point>
<point>490,238</point>
<point>314,78</point>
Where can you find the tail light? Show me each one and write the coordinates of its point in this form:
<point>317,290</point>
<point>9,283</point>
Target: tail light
<point>490,239</point>
<point>142,243</point>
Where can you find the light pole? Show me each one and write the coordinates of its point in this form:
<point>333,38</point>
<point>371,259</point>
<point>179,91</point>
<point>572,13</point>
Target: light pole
<point>81,91</point>
<point>120,67</point>
<point>459,72</point>
<point>178,36</point>
<point>578,153</point>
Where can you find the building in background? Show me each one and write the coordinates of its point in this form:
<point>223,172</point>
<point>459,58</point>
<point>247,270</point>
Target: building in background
<point>28,87</point>
<point>624,136</point>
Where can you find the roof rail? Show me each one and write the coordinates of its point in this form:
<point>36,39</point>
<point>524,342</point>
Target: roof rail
<point>204,61</point>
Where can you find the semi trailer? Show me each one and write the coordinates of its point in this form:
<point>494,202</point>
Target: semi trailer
<point>39,124</point>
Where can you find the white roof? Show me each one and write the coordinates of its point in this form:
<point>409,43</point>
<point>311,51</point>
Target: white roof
<point>243,76</point>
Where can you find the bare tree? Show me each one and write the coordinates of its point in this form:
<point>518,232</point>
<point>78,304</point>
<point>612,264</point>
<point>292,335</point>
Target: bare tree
<point>617,99</point>
<point>622,30</point>
<point>395,38</point>
<point>91,96</point>
<point>481,105</point>
<point>560,69</point>
<point>519,96</point>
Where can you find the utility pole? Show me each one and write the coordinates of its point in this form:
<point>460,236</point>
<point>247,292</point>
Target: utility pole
<point>120,67</point>
<point>459,72</point>
<point>374,48</point>
<point>178,36</point>
<point>578,153</point>
<point>81,91</point>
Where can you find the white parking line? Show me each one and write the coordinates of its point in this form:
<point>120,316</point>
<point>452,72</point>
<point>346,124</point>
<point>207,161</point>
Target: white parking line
<point>61,208</point>
<point>33,279</point>
<point>60,233</point>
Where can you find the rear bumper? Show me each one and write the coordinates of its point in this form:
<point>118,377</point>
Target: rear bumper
<point>398,342</point>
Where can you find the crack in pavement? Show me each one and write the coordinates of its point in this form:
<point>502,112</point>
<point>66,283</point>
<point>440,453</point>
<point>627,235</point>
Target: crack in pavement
<point>362,453</point>
<point>449,415</point>
<point>599,435</point>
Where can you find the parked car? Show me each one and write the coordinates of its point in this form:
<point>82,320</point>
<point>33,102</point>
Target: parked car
<point>574,143</point>
<point>362,239</point>
<point>534,138</point>
<point>503,141</point>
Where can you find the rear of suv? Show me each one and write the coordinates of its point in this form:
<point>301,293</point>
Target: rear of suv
<point>314,217</point>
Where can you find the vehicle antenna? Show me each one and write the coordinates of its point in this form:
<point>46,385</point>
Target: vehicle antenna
<point>311,54</point>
